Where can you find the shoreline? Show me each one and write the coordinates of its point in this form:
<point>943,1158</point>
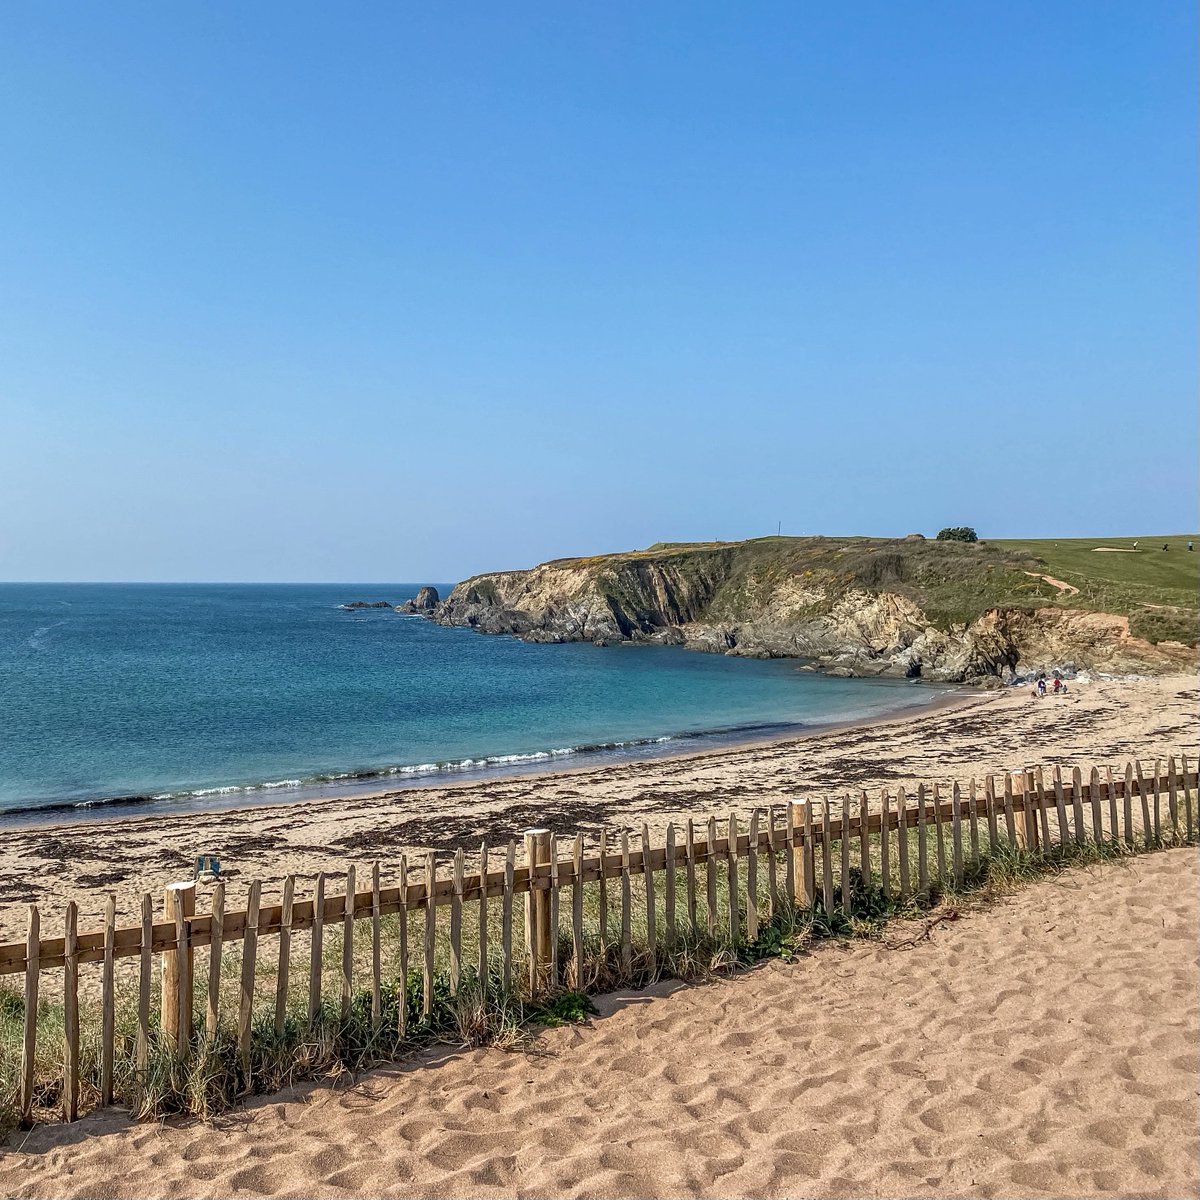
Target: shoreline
<point>1104,723</point>
<point>251,797</point>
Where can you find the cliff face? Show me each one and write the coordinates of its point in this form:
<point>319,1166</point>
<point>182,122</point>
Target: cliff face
<point>853,607</point>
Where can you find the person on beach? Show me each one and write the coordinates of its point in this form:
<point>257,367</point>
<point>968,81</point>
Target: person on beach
<point>1041,686</point>
<point>1057,685</point>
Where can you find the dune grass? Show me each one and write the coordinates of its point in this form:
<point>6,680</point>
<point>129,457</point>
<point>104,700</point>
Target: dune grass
<point>334,1044</point>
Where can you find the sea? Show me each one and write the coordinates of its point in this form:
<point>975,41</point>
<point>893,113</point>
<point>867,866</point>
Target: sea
<point>120,698</point>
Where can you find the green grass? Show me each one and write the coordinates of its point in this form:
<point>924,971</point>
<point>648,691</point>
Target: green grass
<point>1156,589</point>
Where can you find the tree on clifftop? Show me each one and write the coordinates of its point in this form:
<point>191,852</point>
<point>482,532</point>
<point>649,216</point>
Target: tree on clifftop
<point>959,533</point>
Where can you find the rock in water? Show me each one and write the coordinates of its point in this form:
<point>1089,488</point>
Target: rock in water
<point>425,601</point>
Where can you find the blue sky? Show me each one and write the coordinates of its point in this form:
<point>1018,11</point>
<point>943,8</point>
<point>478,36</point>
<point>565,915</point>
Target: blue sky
<point>316,292</point>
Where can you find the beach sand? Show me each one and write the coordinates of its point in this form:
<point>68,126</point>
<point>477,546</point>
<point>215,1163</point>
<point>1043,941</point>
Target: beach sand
<point>1043,1045</point>
<point>1096,724</point>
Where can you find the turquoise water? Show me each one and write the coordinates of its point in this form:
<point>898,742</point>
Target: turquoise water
<point>186,695</point>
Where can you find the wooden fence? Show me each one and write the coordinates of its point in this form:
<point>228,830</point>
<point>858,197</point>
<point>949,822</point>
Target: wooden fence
<point>805,855</point>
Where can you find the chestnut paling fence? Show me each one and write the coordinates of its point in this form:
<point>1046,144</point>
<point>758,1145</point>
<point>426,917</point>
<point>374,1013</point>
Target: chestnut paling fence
<point>718,883</point>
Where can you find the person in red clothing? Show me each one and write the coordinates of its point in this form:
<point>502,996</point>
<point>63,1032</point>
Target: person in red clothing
<point>1057,685</point>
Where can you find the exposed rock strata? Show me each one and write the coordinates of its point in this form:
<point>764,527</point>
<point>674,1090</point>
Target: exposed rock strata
<point>847,622</point>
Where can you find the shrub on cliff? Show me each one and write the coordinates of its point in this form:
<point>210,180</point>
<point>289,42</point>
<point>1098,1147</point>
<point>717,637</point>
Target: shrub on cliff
<point>959,533</point>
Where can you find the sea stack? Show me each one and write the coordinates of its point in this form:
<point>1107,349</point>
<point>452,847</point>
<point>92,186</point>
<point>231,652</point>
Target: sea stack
<point>425,601</point>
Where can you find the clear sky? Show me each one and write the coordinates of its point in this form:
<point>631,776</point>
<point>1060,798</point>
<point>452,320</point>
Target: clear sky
<point>407,291</point>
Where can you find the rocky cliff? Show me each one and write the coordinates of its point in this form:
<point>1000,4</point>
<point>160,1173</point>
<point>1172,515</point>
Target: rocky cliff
<point>944,611</point>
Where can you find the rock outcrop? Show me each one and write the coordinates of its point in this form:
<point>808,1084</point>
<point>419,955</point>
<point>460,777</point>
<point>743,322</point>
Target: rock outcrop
<point>911,608</point>
<point>355,604</point>
<point>425,601</point>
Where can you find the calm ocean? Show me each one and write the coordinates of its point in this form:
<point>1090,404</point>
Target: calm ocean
<point>179,695</point>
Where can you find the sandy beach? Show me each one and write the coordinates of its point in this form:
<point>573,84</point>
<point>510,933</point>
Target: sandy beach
<point>1042,1045</point>
<point>1098,723</point>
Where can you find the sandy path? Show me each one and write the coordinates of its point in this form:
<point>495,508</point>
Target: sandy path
<point>1099,723</point>
<point>1069,588</point>
<point>1046,1046</point>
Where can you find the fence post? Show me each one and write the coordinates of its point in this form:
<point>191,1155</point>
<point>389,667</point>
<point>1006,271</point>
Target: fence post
<point>956,832</point>
<point>577,912</point>
<point>71,1014</point>
<point>626,903</point>
<point>689,850</point>
<point>347,940</point>
<point>795,817</point>
<point>33,949</point>
<point>710,877</point>
<point>731,863</point>
<point>402,1005</point>
<point>648,882</point>
<point>973,816</point>
<point>1028,812</point>
<point>1114,823</point>
<point>317,949</point>
<point>179,903</point>
<point>1187,799</point>
<point>669,886</point>
<point>285,959</point>
<point>602,897</point>
<point>1144,796</point>
<point>376,948</point>
<point>1043,810</point>
<point>108,1031</point>
<point>808,864</point>
<point>922,844</point>
<point>457,876</point>
<point>1060,806</point>
<point>1172,800</point>
<point>864,840</point>
<point>430,932</point>
<point>939,835</point>
<point>481,968</point>
<point>885,838</point>
<point>1077,807</point>
<point>246,999</point>
<point>145,969</point>
<point>826,859</point>
<point>537,854</point>
<point>553,918</point>
<point>506,913</point>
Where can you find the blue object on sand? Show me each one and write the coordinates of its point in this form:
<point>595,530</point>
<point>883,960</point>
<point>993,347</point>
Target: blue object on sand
<point>208,864</point>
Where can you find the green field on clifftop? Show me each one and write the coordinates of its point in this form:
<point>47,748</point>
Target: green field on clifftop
<point>951,581</point>
<point>1157,589</point>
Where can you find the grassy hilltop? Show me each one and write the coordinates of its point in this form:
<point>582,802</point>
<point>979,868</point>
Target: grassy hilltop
<point>907,607</point>
<point>1157,590</point>
<point>953,582</point>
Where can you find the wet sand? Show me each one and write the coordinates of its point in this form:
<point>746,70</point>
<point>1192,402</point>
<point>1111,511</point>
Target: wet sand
<point>1045,1045</point>
<point>1100,723</point>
